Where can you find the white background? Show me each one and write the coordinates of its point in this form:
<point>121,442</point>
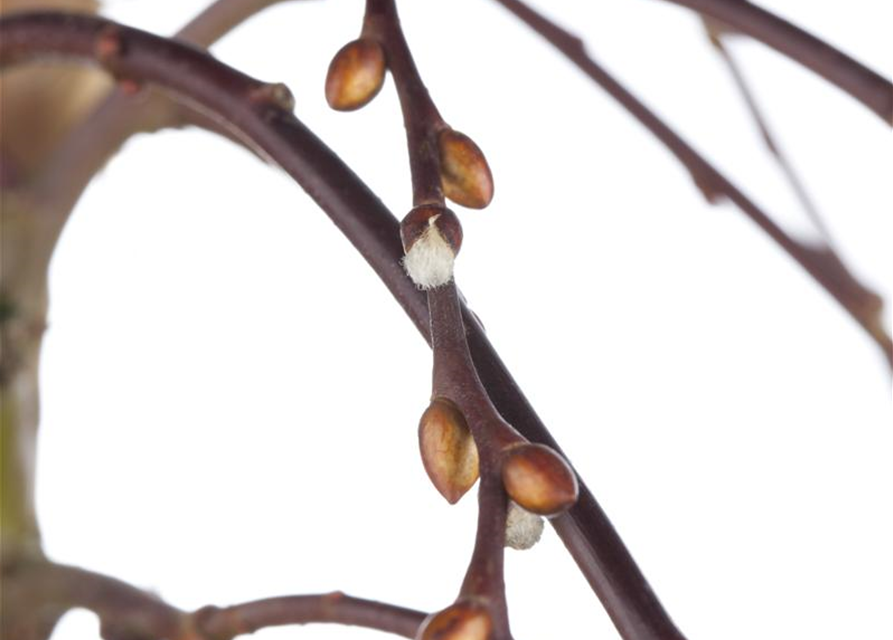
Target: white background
<point>230,397</point>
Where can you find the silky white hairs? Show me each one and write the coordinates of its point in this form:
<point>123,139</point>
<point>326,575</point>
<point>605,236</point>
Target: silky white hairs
<point>522,528</point>
<point>429,261</point>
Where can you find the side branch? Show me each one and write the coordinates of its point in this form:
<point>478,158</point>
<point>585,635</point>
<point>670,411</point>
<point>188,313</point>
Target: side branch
<point>250,107</point>
<point>821,263</point>
<point>127,612</point>
<point>772,145</point>
<point>224,623</point>
<point>866,86</point>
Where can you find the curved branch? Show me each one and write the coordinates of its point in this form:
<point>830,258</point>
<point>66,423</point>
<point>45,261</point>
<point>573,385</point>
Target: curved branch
<point>864,305</point>
<point>371,228</point>
<point>127,612</point>
<point>117,117</point>
<point>866,86</point>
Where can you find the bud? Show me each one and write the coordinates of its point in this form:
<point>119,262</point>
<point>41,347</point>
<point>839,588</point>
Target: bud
<point>465,620</point>
<point>539,479</point>
<point>355,75</point>
<point>432,236</point>
<point>448,451</point>
<point>273,94</point>
<point>464,172</point>
<point>522,528</point>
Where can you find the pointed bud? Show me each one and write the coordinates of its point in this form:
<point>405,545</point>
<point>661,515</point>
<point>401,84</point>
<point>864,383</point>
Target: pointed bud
<point>448,450</point>
<point>464,172</point>
<point>465,620</point>
<point>432,236</point>
<point>522,528</point>
<point>356,75</point>
<point>539,479</point>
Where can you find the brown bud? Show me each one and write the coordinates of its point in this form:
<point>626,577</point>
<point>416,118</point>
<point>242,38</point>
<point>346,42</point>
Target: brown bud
<point>355,75</point>
<point>418,221</point>
<point>464,172</point>
<point>465,620</point>
<point>539,479</point>
<point>448,450</point>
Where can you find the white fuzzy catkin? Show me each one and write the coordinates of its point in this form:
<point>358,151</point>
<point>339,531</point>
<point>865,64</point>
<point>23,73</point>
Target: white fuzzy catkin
<point>429,261</point>
<point>522,528</point>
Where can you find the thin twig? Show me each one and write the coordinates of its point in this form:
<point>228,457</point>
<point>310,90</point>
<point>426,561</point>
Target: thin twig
<point>868,87</point>
<point>371,228</point>
<point>228,622</point>
<point>756,113</point>
<point>455,378</point>
<point>864,305</point>
<point>128,612</point>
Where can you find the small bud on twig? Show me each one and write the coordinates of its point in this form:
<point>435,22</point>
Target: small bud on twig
<point>465,620</point>
<point>522,528</point>
<point>448,451</point>
<point>355,75</point>
<point>464,172</point>
<point>273,94</point>
<point>539,479</point>
<point>432,236</point>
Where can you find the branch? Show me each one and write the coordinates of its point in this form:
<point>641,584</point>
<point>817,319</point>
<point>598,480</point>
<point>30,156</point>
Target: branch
<point>460,407</point>
<point>866,86</point>
<point>127,612</point>
<point>864,305</point>
<point>371,228</point>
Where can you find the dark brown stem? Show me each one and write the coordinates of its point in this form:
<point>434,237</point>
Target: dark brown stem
<point>866,86</point>
<point>455,377</point>
<point>420,115</point>
<point>864,305</point>
<point>372,229</point>
<point>485,576</point>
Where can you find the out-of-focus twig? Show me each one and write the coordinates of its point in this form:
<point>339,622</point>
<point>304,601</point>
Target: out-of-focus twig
<point>863,304</point>
<point>48,154</point>
<point>865,85</point>
<point>762,124</point>
<point>126,612</point>
<point>68,171</point>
